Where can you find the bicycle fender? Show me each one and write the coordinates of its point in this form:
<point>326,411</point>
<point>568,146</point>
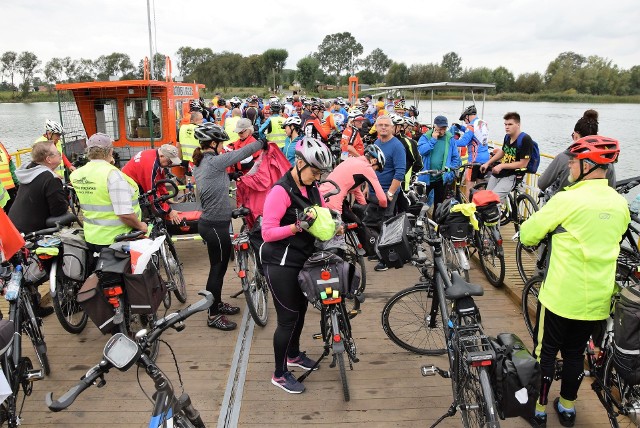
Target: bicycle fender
<point>337,347</point>
<point>52,277</point>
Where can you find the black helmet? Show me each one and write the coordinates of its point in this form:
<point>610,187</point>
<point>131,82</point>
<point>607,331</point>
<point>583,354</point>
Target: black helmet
<point>222,102</point>
<point>414,110</point>
<point>211,132</point>
<point>471,110</point>
<point>441,214</point>
<point>275,106</point>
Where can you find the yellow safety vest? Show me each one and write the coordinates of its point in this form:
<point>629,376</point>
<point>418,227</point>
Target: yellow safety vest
<point>60,168</point>
<point>101,224</point>
<point>6,181</point>
<point>4,196</point>
<point>277,134</point>
<point>188,142</point>
<point>229,126</point>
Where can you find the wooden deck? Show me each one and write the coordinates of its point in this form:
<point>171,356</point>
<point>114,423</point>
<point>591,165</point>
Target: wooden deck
<point>227,374</point>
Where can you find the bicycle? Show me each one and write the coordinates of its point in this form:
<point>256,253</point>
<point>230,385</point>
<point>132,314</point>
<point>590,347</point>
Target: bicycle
<point>354,254</point>
<point>457,332</point>
<point>122,352</point>
<point>247,268</point>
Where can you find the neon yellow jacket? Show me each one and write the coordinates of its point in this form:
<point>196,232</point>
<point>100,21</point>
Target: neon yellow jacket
<point>589,219</point>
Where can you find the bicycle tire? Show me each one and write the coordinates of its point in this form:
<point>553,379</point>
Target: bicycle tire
<point>74,204</point>
<point>33,330</point>
<point>529,304</point>
<point>452,261</point>
<point>526,261</point>
<point>8,408</point>
<point>173,269</point>
<point>133,323</point>
<point>476,400</point>
<point>615,388</point>
<point>70,314</point>
<point>525,207</point>
<point>491,258</point>
<point>343,376</point>
<point>254,287</point>
<point>411,319</point>
<point>506,210</point>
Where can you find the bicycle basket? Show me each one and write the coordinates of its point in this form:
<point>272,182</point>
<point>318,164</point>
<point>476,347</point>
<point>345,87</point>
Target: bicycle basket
<point>325,275</point>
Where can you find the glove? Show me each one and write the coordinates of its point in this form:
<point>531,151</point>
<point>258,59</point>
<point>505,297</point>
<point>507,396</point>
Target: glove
<point>448,177</point>
<point>265,144</point>
<point>306,218</point>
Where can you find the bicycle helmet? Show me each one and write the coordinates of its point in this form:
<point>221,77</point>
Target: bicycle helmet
<point>397,119</point>
<point>53,127</point>
<point>315,153</point>
<point>411,121</point>
<point>414,111</point>
<point>254,98</point>
<point>356,114</point>
<point>375,152</point>
<point>294,121</point>
<point>210,132</point>
<point>442,212</point>
<point>275,106</point>
<point>399,105</point>
<point>222,102</point>
<point>363,108</point>
<point>288,99</point>
<point>235,102</point>
<point>471,110</point>
<point>597,149</point>
<point>194,105</point>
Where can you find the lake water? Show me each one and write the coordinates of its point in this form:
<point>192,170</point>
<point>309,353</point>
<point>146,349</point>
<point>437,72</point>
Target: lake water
<point>550,124</point>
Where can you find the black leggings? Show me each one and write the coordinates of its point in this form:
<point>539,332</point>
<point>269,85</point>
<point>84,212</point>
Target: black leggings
<point>291,307</point>
<point>216,236</point>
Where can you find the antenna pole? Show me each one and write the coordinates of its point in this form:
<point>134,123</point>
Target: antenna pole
<point>150,42</point>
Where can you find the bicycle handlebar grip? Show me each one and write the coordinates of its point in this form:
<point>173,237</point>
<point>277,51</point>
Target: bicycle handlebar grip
<point>335,191</point>
<point>134,234</point>
<point>198,306</point>
<point>70,396</point>
<point>167,183</point>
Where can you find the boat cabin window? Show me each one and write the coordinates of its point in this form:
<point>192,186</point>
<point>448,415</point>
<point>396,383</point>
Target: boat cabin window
<point>106,112</point>
<point>136,115</point>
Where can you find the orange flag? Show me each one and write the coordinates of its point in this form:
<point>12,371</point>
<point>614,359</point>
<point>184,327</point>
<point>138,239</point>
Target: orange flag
<point>10,239</point>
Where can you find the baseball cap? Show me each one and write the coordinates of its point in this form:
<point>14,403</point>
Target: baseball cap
<point>242,125</point>
<point>171,152</point>
<point>100,140</point>
<point>440,121</point>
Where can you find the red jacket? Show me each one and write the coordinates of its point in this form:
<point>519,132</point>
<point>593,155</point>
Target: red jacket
<point>144,168</point>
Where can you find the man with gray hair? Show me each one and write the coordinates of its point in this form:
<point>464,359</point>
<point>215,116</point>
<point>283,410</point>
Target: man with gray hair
<point>108,198</point>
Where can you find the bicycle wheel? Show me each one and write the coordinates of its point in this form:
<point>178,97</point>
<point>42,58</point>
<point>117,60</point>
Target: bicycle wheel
<point>491,255</point>
<point>411,320</point>
<point>135,322</point>
<point>526,259</point>
<point>530,303</point>
<point>68,311</point>
<point>254,287</point>
<point>477,403</point>
<point>31,325</point>
<point>351,255</point>
<point>620,398</point>
<point>452,259</point>
<point>173,269</point>
<point>526,206</point>
<point>626,268</point>
<point>74,204</point>
<point>343,375</point>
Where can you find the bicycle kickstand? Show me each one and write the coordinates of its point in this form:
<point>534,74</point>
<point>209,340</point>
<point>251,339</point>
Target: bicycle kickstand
<point>233,296</point>
<point>308,372</point>
<point>451,412</point>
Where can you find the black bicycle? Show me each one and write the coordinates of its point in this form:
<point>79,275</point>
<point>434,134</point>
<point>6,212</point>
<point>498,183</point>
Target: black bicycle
<point>122,352</point>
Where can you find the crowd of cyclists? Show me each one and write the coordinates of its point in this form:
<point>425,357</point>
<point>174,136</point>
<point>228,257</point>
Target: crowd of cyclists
<point>370,150</point>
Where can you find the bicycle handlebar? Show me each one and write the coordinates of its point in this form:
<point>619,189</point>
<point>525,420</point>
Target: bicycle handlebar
<point>104,366</point>
<point>131,236</point>
<point>168,183</point>
<point>54,223</point>
<point>625,188</point>
<point>432,172</point>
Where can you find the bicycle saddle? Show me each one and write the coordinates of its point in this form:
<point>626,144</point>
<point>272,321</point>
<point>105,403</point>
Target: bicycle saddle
<point>240,212</point>
<point>461,288</point>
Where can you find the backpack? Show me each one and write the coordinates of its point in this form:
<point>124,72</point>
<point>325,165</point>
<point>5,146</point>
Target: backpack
<point>626,349</point>
<point>516,376</point>
<point>534,160</point>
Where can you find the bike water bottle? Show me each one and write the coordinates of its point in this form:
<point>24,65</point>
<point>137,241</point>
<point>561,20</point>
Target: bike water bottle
<point>13,287</point>
<point>635,205</point>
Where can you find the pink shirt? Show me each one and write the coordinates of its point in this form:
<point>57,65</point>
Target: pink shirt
<point>275,206</point>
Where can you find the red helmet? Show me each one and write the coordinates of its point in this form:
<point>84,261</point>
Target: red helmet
<point>597,149</point>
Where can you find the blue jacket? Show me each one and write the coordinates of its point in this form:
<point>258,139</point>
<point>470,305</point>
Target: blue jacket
<point>426,145</point>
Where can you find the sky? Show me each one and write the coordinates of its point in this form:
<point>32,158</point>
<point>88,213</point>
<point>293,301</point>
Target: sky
<point>521,35</point>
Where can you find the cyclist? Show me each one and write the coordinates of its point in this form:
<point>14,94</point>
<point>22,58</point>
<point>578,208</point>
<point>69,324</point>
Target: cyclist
<point>293,128</point>
<point>53,131</point>
<point>587,220</point>
<point>272,127</point>
<point>287,246</point>
<point>313,125</point>
<point>351,141</point>
<point>211,163</point>
<point>220,112</point>
<point>475,139</point>
<point>148,167</point>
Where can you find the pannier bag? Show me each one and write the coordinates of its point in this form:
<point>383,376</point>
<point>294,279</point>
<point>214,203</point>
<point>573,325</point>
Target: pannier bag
<point>626,335</point>
<point>456,226</point>
<point>516,377</point>
<point>34,270</point>
<point>75,254</point>
<point>393,245</point>
<point>487,206</point>
<point>325,269</point>
<point>95,304</point>
<point>113,261</point>
<point>145,291</point>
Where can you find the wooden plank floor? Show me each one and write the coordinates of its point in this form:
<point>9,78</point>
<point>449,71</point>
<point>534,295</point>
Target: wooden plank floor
<point>386,387</point>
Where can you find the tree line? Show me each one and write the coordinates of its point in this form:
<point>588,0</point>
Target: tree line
<point>337,57</point>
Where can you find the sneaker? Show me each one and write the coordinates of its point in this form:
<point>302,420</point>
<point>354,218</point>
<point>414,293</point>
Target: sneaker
<point>221,323</point>
<point>302,361</point>
<point>380,267</point>
<point>43,311</point>
<point>227,309</point>
<point>567,419</point>
<point>373,258</point>
<point>538,421</point>
<point>288,382</point>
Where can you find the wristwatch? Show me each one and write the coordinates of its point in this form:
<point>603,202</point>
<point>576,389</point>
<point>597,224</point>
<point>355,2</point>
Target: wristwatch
<point>390,195</point>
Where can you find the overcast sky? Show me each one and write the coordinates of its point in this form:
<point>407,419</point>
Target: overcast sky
<point>521,35</point>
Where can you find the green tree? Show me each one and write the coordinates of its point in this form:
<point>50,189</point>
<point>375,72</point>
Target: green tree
<point>562,72</point>
<point>339,52</point>
<point>308,68</point>
<point>251,71</point>
<point>477,75</point>
<point>115,64</point>
<point>85,71</point>
<point>398,74</point>
<point>8,63</point>
<point>529,83</point>
<point>189,59</point>
<point>53,71</point>
<point>69,67</point>
<point>634,80</point>
<point>274,61</point>
<point>452,63</point>
<point>368,77</point>
<point>427,73</point>
<point>503,79</point>
<point>26,65</point>
<point>377,62</point>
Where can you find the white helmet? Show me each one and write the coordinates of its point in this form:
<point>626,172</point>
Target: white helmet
<point>397,119</point>
<point>315,153</point>
<point>53,127</point>
<point>294,121</point>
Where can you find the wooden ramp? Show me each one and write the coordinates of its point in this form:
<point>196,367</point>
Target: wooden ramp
<point>227,374</point>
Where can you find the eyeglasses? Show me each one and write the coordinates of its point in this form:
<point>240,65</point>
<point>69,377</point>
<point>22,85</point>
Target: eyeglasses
<point>382,125</point>
<point>316,172</point>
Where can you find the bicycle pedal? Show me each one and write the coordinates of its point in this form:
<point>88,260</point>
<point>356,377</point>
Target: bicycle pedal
<point>428,370</point>
<point>354,312</point>
<point>317,336</point>
<point>33,375</point>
